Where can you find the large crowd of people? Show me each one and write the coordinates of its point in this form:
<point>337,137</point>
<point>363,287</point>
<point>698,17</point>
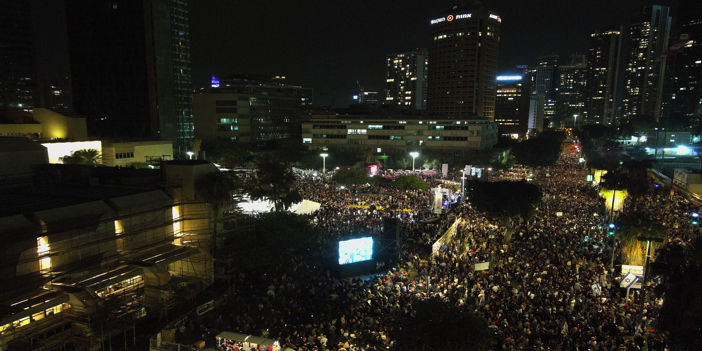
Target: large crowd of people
<point>550,287</point>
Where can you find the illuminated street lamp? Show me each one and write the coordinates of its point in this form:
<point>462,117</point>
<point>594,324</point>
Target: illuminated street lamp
<point>575,121</point>
<point>190,153</point>
<point>324,162</point>
<point>414,156</point>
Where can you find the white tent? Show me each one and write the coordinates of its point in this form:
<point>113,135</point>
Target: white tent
<point>305,207</point>
<point>257,206</point>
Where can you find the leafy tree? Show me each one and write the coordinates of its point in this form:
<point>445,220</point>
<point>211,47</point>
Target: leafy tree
<point>404,162</point>
<point>350,176</point>
<point>410,182</point>
<point>680,267</point>
<point>432,163</point>
<point>637,171</point>
<point>537,152</point>
<point>195,145</point>
<point>436,324</point>
<point>274,181</point>
<point>217,189</point>
<point>226,152</point>
<point>280,235</point>
<point>558,136</point>
<point>504,200</point>
<point>88,157</point>
<point>594,131</point>
<point>634,225</point>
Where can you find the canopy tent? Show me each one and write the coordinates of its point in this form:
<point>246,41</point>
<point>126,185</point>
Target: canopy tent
<point>305,207</point>
<point>257,206</point>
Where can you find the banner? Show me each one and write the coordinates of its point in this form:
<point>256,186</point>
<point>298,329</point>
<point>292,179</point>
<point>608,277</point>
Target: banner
<point>483,266</point>
<point>202,309</point>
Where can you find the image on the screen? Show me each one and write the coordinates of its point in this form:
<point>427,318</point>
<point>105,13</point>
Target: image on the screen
<point>355,250</point>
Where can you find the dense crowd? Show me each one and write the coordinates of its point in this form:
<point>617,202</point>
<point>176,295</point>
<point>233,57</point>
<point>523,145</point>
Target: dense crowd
<point>550,287</point>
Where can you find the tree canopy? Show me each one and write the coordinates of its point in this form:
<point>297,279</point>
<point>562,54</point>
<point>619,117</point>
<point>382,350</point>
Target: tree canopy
<point>410,182</point>
<point>680,267</point>
<point>436,324</point>
<point>278,235</point>
<point>504,200</point>
<point>541,151</point>
<point>274,181</point>
<point>350,176</point>
<point>217,189</point>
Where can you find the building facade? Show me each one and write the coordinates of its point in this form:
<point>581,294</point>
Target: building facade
<point>18,87</point>
<point>250,113</point>
<point>406,80</point>
<point>644,75</point>
<point>397,133</point>
<point>130,64</point>
<point>84,262</point>
<point>512,105</point>
<point>602,75</point>
<point>546,84</point>
<point>572,92</point>
<point>463,52</point>
<point>687,66</point>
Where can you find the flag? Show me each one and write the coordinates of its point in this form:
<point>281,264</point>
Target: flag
<point>628,280</point>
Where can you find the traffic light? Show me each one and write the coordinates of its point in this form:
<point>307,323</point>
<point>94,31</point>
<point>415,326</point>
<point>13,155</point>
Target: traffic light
<point>611,229</point>
<point>695,219</point>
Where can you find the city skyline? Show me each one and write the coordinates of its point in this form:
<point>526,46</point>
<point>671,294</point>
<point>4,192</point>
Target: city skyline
<point>331,52</point>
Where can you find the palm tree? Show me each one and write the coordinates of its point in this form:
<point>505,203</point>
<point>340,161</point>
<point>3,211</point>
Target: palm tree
<point>88,157</point>
<point>274,181</point>
<point>217,189</point>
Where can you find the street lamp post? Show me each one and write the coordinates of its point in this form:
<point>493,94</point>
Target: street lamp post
<point>463,186</point>
<point>414,155</point>
<point>190,153</point>
<point>324,162</point>
<point>575,121</point>
<point>645,272</point>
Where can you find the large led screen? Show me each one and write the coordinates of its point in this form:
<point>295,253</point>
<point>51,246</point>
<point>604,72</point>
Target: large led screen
<point>355,250</point>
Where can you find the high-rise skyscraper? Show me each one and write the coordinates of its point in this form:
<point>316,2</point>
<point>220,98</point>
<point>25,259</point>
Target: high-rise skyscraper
<point>644,76</point>
<point>512,105</point>
<point>406,81</point>
<point>687,88</point>
<point>602,73</point>
<point>570,105</point>
<point>18,88</point>
<point>546,84</point>
<point>463,50</point>
<point>130,62</point>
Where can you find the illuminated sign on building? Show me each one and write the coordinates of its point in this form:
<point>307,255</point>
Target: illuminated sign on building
<point>509,78</point>
<point>438,20</point>
<point>496,18</point>
<point>450,18</point>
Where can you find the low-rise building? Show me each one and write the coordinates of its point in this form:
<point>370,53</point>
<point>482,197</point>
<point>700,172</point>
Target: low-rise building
<point>397,133</point>
<point>89,251</point>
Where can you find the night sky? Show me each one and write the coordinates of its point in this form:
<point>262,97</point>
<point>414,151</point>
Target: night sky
<point>328,45</point>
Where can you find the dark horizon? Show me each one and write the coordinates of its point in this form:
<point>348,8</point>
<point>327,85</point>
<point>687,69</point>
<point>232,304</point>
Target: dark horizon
<point>330,46</point>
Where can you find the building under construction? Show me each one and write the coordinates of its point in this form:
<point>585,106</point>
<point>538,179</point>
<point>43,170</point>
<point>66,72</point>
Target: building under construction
<point>86,254</point>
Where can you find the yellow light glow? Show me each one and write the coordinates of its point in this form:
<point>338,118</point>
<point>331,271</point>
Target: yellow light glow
<point>43,248</point>
<point>599,173</point>
<point>58,150</point>
<point>119,229</point>
<point>176,226</point>
<point>619,198</point>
